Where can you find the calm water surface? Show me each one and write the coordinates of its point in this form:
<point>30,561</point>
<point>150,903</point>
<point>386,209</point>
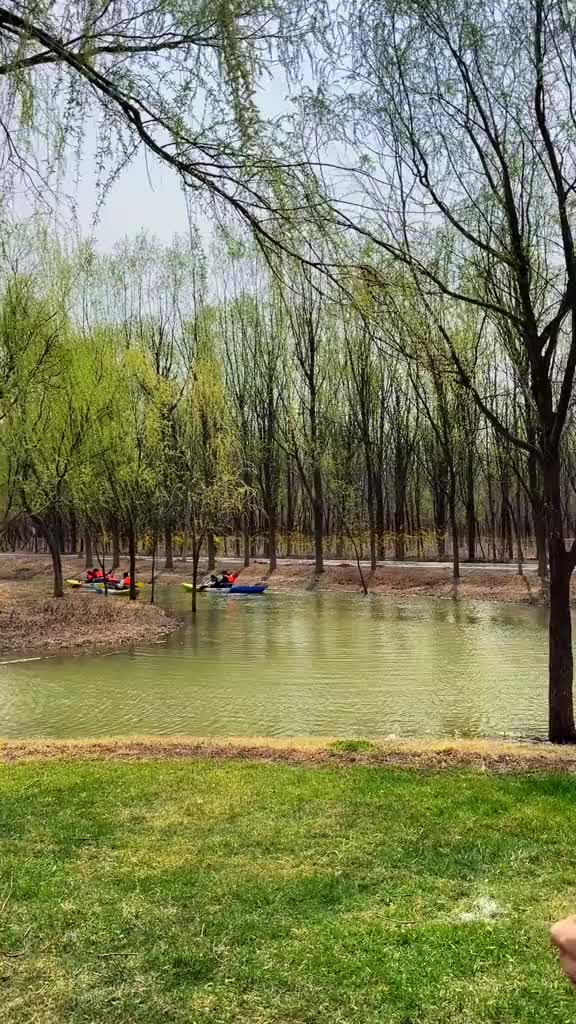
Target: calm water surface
<point>298,665</point>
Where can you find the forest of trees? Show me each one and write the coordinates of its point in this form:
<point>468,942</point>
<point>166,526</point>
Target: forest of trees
<point>375,353</point>
<point>180,400</point>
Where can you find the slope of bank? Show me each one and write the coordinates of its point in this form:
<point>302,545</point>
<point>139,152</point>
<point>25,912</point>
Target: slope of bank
<point>493,756</point>
<point>478,584</point>
<point>29,623</point>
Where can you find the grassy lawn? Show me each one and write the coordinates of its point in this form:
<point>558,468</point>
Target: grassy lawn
<point>188,892</point>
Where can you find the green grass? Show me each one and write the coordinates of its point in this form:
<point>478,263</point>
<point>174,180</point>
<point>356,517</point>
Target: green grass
<point>255,893</point>
<point>353,746</point>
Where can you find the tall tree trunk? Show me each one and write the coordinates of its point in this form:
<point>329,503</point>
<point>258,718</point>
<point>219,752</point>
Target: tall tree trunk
<point>88,554</point>
<point>168,547</point>
<point>417,513</point>
<point>73,533</point>
<point>454,527</point>
<point>211,546</point>
<point>272,518</point>
<point>154,546</point>
<point>470,508</point>
<point>289,510</point>
<point>439,500</point>
<point>538,513</point>
<point>399,522</point>
<point>115,543</point>
<point>492,516</point>
<point>196,545</point>
<point>379,496</point>
<point>186,535</point>
<point>318,513</point>
<point>56,568</point>
<point>132,560</point>
<point>560,685</point>
<point>52,541</point>
<point>370,503</point>
<point>518,529</point>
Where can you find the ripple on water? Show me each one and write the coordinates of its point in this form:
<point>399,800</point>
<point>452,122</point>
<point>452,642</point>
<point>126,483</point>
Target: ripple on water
<point>320,664</point>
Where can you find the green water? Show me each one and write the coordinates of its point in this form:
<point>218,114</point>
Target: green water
<point>298,665</point>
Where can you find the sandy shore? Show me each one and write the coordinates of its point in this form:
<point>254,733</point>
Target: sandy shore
<point>425,755</point>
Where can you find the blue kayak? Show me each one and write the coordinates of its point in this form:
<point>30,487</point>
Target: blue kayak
<point>240,588</point>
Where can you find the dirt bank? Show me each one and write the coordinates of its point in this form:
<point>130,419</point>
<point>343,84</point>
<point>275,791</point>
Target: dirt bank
<point>478,755</point>
<point>29,623</point>
<point>478,584</point>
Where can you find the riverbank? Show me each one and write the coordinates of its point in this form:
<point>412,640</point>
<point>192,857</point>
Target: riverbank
<point>478,582</point>
<point>492,756</point>
<point>226,892</point>
<point>29,623</point>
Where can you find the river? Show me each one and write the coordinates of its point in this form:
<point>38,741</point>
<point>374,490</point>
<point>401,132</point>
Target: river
<point>298,665</point>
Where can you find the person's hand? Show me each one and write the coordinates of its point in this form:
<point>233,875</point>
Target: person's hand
<point>563,935</point>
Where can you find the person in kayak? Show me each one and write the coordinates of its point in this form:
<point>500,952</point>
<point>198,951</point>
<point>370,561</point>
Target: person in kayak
<point>125,582</point>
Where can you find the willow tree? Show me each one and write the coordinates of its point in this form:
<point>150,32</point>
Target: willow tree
<point>47,434</point>
<point>469,184</point>
<point>207,454</point>
<point>176,80</point>
<point>152,293</point>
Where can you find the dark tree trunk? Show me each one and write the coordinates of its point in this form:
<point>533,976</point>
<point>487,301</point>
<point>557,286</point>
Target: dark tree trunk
<point>185,538</point>
<point>492,518</point>
<point>154,546</point>
<point>370,503</point>
<point>379,496</point>
<point>440,486</point>
<point>318,513</point>
<point>561,706</point>
<point>289,511</point>
<point>52,541</point>
<point>561,710</point>
<point>56,568</point>
<point>272,555</point>
<point>470,508</point>
<point>454,528</point>
<point>132,561</point>
<point>246,538</point>
<point>399,521</point>
<point>518,530</point>
<point>417,513</point>
<point>505,521</point>
<point>196,544</point>
<point>538,514</point>
<point>211,551</point>
<point>168,547</point>
<point>73,534</point>
<point>115,544</point>
<point>88,554</point>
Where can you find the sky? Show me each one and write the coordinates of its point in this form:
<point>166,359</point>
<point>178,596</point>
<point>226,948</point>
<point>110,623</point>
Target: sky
<point>146,196</point>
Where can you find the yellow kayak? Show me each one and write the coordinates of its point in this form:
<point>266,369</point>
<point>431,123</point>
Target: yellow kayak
<point>98,585</point>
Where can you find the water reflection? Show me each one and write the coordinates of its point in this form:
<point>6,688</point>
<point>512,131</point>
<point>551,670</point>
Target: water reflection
<point>315,664</point>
